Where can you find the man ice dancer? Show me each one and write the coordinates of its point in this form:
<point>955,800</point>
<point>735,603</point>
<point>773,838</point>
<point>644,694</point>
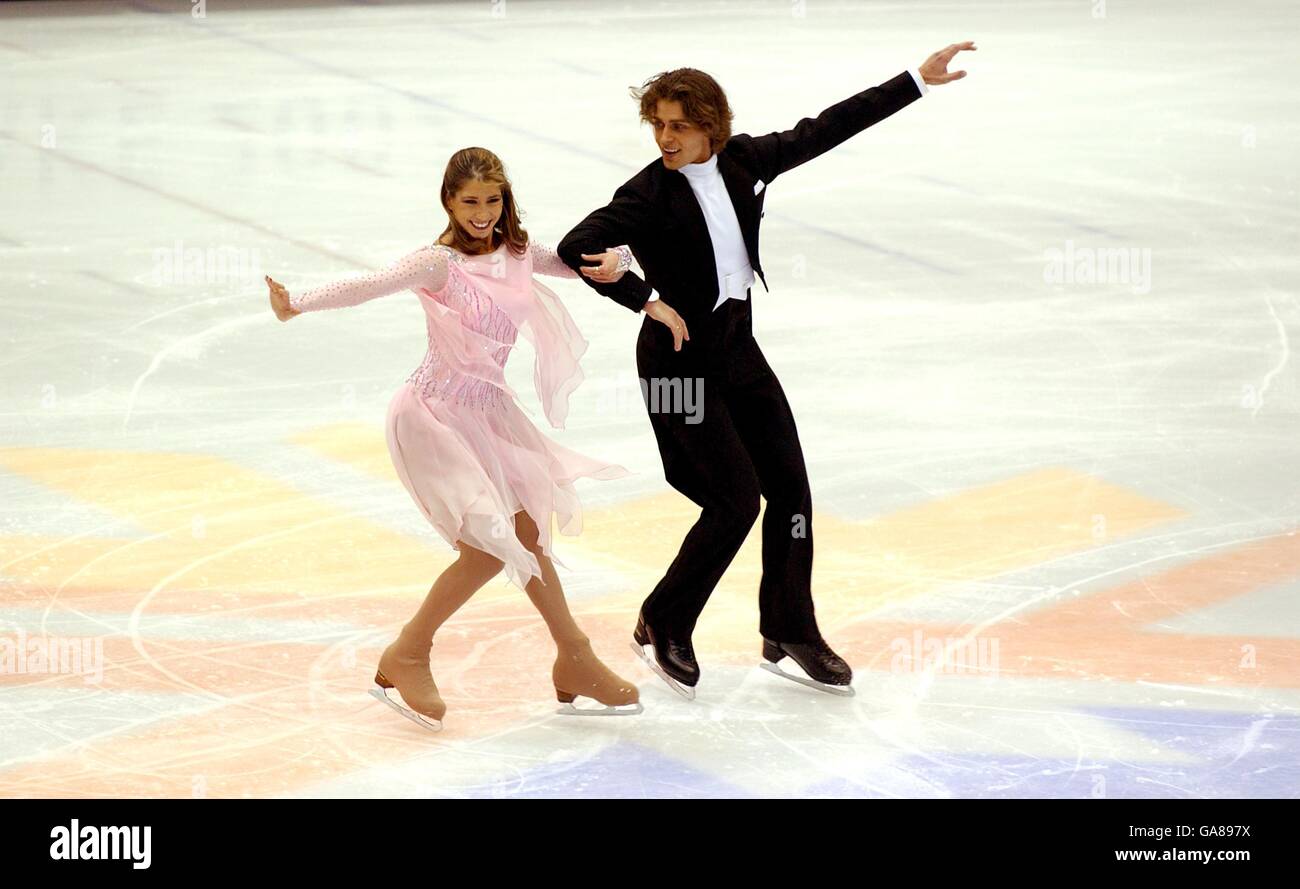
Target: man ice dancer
<point>691,218</point>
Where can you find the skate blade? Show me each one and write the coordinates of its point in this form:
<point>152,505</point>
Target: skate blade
<point>843,691</point>
<point>604,710</point>
<point>433,725</point>
<point>685,691</point>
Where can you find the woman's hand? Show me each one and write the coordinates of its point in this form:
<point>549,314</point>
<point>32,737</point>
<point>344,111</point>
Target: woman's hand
<point>664,313</point>
<point>280,300</point>
<point>609,269</point>
<point>934,70</point>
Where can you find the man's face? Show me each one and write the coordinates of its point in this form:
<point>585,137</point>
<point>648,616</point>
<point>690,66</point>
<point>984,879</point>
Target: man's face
<point>680,141</point>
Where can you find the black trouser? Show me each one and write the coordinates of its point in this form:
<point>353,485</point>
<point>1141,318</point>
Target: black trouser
<point>745,444</point>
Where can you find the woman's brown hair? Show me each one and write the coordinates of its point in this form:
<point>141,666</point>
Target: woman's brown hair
<point>702,100</point>
<point>483,165</point>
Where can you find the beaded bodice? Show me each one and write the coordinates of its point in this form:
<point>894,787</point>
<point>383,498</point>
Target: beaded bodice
<point>435,377</point>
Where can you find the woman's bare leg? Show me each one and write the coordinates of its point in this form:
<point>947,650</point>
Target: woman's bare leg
<point>577,669</point>
<point>453,588</point>
<point>546,592</point>
<point>405,663</point>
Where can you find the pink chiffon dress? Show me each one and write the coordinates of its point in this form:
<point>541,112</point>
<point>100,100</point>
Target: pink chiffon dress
<point>460,441</point>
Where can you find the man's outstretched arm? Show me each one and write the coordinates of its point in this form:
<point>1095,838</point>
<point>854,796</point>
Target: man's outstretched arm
<point>813,136</point>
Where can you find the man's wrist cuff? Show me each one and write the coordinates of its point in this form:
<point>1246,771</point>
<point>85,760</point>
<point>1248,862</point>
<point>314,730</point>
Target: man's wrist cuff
<point>920,81</point>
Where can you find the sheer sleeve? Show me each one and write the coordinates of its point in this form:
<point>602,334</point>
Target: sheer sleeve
<point>425,268</point>
<point>547,262</point>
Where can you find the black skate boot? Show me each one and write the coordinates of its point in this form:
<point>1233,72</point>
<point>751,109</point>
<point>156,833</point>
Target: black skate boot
<point>826,670</point>
<point>672,660</point>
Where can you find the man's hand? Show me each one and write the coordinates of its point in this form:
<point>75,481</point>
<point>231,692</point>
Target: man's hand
<point>664,313</point>
<point>935,69</point>
<point>607,272</point>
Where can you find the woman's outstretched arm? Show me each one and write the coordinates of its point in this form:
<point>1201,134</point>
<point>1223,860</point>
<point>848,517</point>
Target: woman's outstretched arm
<point>424,268</point>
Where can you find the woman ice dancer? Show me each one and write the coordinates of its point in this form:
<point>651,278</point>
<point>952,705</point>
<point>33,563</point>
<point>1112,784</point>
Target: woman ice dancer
<point>692,217</point>
<point>481,473</point>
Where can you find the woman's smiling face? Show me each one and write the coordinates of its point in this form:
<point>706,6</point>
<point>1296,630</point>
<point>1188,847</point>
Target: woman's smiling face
<point>477,208</point>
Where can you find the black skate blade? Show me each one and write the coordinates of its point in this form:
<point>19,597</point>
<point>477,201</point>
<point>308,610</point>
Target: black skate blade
<point>843,691</point>
<point>685,691</point>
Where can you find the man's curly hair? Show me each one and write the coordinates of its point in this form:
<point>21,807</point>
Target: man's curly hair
<point>702,100</point>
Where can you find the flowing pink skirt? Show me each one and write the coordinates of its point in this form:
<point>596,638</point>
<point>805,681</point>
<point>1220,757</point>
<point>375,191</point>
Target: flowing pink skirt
<point>470,469</point>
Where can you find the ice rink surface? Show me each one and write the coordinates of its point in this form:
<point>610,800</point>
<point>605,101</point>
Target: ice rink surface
<point>1036,329</point>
